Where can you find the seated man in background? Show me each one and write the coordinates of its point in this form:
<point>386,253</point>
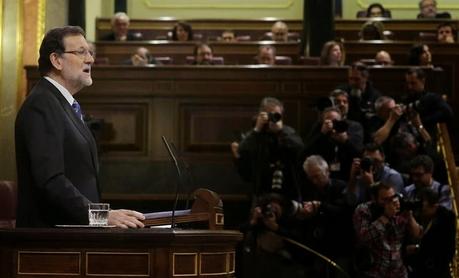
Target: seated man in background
<point>120,29</point>
<point>203,55</point>
<point>446,33</point>
<point>383,58</point>
<point>428,9</point>
<point>421,171</point>
<point>266,55</point>
<point>141,57</point>
<point>279,32</point>
<point>228,36</point>
<point>381,228</point>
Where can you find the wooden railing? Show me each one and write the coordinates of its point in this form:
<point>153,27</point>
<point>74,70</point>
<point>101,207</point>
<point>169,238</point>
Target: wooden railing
<point>445,147</point>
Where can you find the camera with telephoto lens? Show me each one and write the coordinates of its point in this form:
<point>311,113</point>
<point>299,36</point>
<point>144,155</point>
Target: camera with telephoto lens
<point>366,163</point>
<point>340,126</point>
<point>409,204</point>
<point>414,106</point>
<point>274,117</point>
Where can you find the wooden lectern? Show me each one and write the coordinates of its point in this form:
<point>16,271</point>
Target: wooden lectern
<point>207,207</point>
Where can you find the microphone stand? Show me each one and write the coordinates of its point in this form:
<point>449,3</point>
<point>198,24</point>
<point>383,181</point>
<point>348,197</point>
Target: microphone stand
<point>179,174</point>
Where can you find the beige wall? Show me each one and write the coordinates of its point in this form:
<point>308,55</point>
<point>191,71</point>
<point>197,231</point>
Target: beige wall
<point>243,9</point>
<point>407,9</point>
<point>10,54</point>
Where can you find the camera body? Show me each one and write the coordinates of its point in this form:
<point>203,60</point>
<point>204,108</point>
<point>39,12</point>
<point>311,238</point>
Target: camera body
<point>366,163</point>
<point>340,126</point>
<point>409,204</point>
<point>274,117</point>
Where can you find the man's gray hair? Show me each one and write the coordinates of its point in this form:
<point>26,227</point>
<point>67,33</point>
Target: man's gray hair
<point>316,160</point>
<point>381,101</point>
<point>119,16</point>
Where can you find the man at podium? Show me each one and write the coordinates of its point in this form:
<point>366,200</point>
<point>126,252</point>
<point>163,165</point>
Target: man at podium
<point>56,154</point>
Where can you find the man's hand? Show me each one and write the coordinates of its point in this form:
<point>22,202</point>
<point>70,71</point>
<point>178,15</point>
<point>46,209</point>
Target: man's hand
<point>124,218</point>
<point>138,60</point>
<point>327,127</point>
<point>395,113</point>
<point>270,221</point>
<point>367,176</point>
<point>262,121</point>
<point>235,149</point>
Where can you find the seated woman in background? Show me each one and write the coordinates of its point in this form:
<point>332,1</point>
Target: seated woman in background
<point>332,54</point>
<point>376,10</point>
<point>182,32</point>
<point>372,30</point>
<point>420,55</point>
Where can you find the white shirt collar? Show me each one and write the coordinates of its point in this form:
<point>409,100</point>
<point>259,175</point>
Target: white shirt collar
<point>67,95</point>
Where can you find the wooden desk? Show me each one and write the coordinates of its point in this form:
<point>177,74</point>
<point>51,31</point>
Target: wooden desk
<point>403,29</point>
<point>242,53</point>
<point>115,252</point>
<point>201,110</point>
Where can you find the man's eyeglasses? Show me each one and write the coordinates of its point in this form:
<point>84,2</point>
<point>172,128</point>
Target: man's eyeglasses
<point>82,53</point>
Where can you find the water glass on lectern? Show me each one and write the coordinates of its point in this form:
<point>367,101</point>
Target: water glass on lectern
<point>98,214</point>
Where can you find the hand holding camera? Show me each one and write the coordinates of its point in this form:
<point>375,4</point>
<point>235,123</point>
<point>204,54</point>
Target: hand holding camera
<point>363,167</point>
<point>396,113</point>
<point>269,121</point>
<point>265,215</point>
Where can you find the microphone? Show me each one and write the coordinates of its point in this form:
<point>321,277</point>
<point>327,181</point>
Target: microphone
<point>187,180</point>
<point>179,175</point>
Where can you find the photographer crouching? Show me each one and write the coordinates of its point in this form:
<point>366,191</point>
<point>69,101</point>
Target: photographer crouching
<point>266,254</point>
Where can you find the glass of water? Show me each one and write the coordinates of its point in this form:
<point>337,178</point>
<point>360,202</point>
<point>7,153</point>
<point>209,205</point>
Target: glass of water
<point>98,214</point>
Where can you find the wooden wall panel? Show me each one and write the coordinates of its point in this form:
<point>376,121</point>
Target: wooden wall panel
<point>201,110</point>
<point>124,128</point>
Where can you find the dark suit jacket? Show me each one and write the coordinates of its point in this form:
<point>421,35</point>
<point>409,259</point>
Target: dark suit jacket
<point>57,161</point>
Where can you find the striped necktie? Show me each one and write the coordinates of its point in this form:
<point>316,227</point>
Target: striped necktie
<point>76,107</point>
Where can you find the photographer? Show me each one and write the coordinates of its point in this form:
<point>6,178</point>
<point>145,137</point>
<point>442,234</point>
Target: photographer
<point>371,169</point>
<point>421,173</point>
<point>268,154</point>
<point>431,107</point>
<point>392,118</point>
<point>328,225</point>
<point>433,254</point>
<point>381,228</point>
<point>362,94</point>
<point>265,252</point>
<point>337,141</point>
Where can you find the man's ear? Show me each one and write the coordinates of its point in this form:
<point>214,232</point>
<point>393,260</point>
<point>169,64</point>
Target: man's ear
<point>55,60</point>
